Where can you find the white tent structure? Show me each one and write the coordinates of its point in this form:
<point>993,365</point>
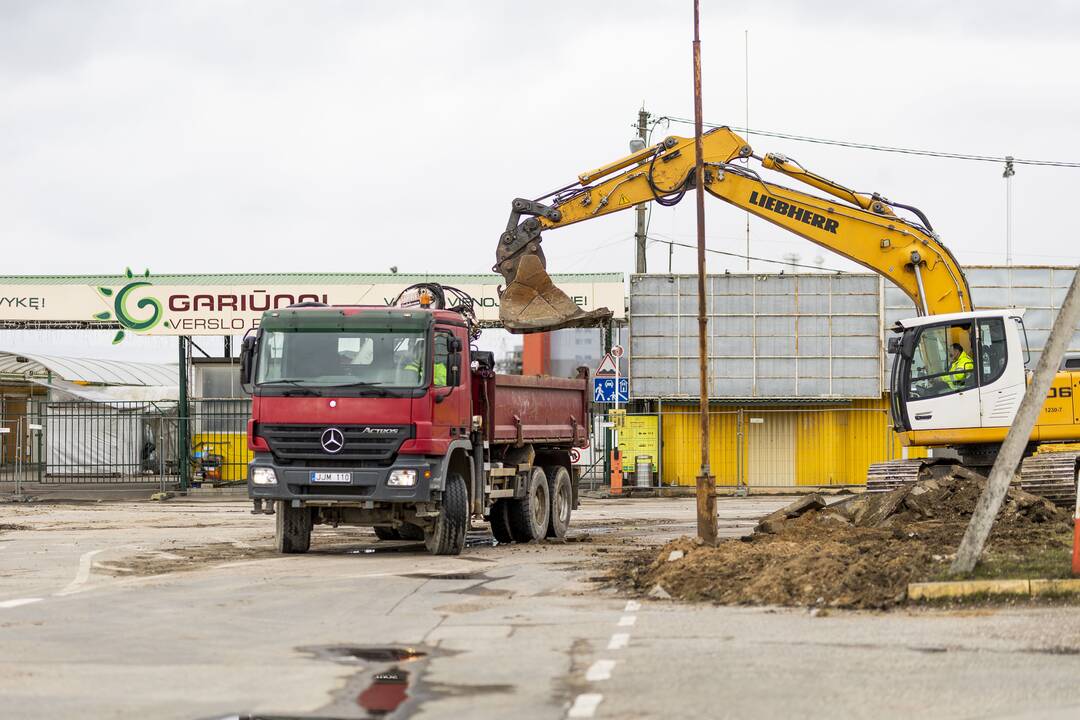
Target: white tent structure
<point>87,372</point>
<point>95,420</point>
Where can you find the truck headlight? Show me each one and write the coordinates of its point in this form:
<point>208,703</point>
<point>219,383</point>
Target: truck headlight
<point>402,478</point>
<point>263,476</point>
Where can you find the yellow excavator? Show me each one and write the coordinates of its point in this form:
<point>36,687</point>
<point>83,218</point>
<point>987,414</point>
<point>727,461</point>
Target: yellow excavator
<point>958,374</point>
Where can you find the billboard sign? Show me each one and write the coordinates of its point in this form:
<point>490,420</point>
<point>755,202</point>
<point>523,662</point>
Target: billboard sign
<point>233,304</point>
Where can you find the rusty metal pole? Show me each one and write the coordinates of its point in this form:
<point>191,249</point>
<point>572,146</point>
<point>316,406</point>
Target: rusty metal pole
<point>706,483</point>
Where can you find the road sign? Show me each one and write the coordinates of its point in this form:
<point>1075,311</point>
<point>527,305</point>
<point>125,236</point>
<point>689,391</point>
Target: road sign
<point>604,390</point>
<point>617,351</point>
<point>575,456</point>
<point>607,366</point>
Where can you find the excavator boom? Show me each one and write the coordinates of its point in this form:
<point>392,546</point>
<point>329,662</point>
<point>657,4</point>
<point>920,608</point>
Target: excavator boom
<point>863,228</point>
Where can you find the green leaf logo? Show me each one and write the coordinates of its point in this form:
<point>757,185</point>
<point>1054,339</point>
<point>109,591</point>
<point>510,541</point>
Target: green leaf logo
<point>138,322</point>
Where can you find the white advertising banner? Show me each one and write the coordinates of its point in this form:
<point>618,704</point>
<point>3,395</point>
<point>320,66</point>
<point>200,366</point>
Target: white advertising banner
<point>144,307</point>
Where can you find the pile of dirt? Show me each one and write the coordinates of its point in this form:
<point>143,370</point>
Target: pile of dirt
<point>858,553</point>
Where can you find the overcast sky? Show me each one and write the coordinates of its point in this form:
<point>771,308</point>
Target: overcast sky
<point>277,136</point>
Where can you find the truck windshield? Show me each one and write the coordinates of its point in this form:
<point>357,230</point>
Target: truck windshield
<point>357,358</point>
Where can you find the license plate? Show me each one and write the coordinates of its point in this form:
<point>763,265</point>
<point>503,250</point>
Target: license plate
<point>331,477</point>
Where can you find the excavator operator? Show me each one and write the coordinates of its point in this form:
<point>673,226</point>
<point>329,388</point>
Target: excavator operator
<point>960,366</point>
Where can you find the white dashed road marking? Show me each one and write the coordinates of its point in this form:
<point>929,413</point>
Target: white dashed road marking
<point>618,641</point>
<point>83,574</point>
<point>18,601</point>
<point>585,705</point>
<point>600,670</point>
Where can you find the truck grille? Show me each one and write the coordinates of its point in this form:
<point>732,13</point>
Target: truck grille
<point>362,444</point>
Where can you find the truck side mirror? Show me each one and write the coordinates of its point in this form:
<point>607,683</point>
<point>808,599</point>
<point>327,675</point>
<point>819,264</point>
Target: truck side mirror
<point>247,363</point>
<point>453,367</point>
<point>894,344</point>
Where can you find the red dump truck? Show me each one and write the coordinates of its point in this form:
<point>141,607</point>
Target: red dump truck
<point>386,417</point>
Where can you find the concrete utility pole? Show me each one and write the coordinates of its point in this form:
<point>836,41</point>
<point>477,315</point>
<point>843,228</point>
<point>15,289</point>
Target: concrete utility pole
<point>1008,175</point>
<point>706,483</point>
<point>1012,450</point>
<point>639,235</point>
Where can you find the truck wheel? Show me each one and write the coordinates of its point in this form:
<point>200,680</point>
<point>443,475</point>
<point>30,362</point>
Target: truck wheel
<point>448,535</point>
<point>386,533</point>
<point>562,500</point>
<point>408,531</point>
<point>292,533</point>
<point>500,522</point>
<point>529,515</point>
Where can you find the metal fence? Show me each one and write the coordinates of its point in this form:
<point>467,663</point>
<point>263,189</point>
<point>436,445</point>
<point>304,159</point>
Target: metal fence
<point>756,447</point>
<point>80,443</point>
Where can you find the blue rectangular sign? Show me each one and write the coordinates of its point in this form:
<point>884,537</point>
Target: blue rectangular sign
<point>604,390</point>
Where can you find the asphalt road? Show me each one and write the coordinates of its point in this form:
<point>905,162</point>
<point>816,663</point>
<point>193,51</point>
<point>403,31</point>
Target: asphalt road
<point>141,610</point>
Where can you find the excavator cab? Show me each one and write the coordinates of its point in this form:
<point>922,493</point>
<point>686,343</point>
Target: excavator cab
<point>957,370</point>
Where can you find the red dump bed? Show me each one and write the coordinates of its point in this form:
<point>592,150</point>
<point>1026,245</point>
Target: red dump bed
<point>533,409</point>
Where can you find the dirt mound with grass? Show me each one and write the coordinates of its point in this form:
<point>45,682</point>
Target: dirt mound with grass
<point>857,553</point>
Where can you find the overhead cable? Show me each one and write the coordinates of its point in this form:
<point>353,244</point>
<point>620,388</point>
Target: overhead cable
<point>884,148</point>
<point>751,257</point>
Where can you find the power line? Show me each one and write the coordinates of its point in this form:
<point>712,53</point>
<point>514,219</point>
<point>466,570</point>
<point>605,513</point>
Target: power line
<point>884,148</point>
<point>751,257</point>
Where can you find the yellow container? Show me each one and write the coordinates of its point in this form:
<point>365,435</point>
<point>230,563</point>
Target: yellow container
<point>233,449</point>
<point>781,446</point>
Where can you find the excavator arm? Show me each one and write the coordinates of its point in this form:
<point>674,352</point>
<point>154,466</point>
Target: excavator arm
<point>863,228</point>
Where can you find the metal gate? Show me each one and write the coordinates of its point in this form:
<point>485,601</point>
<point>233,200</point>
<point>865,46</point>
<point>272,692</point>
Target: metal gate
<point>91,443</point>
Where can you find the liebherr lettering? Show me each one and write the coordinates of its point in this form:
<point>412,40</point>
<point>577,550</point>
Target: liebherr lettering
<point>791,210</point>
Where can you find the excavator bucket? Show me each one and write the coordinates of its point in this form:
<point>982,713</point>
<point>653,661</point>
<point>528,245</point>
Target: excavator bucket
<point>531,302</point>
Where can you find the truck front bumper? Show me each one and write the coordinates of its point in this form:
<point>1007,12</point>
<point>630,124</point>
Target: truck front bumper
<point>300,482</point>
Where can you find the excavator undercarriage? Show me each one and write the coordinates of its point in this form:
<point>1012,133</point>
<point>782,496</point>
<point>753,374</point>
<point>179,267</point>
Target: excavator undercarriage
<point>1052,472</point>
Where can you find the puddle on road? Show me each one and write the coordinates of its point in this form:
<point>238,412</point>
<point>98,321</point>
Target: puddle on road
<point>387,546</point>
<point>387,691</point>
<point>475,575</point>
<point>480,539</point>
<point>349,653</point>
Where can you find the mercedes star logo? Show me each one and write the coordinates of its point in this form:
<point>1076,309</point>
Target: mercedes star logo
<point>332,440</point>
